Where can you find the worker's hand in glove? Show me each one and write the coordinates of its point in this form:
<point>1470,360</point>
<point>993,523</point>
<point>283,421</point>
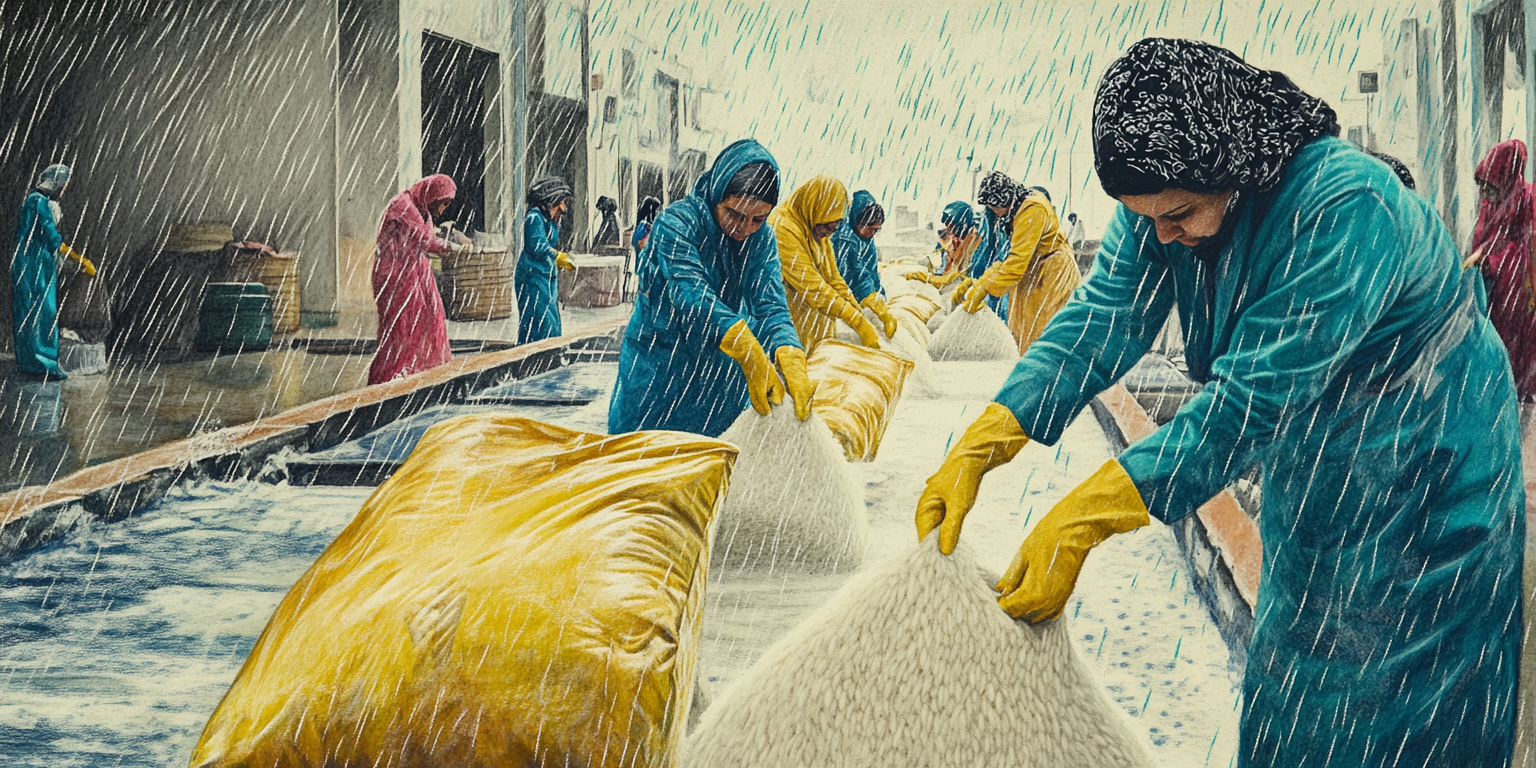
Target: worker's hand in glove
<point>763,384</point>
<point>1038,584</point>
<point>85,264</point>
<point>991,441</point>
<point>801,389</point>
<point>563,261</point>
<point>943,281</point>
<point>876,304</point>
<point>960,290</point>
<point>867,334</point>
<point>976,294</point>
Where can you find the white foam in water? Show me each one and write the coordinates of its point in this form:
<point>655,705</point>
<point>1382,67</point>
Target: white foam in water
<point>922,382</point>
<point>794,502</point>
<point>974,337</point>
<point>912,663</point>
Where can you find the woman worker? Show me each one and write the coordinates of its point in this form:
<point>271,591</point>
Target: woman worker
<point>1031,260</point>
<point>959,239</point>
<point>1501,245</point>
<point>710,310</point>
<point>817,294</point>
<point>535,281</point>
<point>644,220</point>
<point>35,276</point>
<point>857,259</point>
<point>1323,306</point>
<point>413,330</point>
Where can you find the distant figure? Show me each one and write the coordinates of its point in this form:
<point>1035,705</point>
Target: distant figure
<point>413,329</point>
<point>1031,262</point>
<point>818,296</point>
<point>1501,247</point>
<point>1075,233</point>
<point>608,230</point>
<point>1403,174</point>
<point>35,276</point>
<point>649,207</point>
<point>537,288</point>
<point>853,246</point>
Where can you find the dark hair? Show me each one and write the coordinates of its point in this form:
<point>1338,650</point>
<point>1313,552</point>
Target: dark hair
<point>648,208</point>
<point>871,215</point>
<point>1403,174</point>
<point>758,181</point>
<point>607,204</point>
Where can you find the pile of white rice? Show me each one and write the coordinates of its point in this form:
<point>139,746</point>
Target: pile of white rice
<point>973,337</point>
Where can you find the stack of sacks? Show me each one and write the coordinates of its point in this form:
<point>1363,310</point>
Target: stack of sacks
<point>916,311</point>
<point>794,502</point>
<point>913,663</point>
<point>517,594</point>
<point>923,383</point>
<point>977,336</point>
<point>856,393</point>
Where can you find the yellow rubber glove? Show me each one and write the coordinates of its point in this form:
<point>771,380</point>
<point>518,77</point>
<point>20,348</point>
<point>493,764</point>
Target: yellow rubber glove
<point>960,290</point>
<point>976,295</point>
<point>855,320</point>
<point>801,389</point>
<point>876,304</point>
<point>563,261</point>
<point>1038,584</point>
<point>943,281</point>
<point>990,442</point>
<point>85,264</point>
<point>763,384</point>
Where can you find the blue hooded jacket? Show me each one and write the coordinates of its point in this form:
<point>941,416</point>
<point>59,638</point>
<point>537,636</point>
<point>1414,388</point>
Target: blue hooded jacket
<point>857,259</point>
<point>695,283</point>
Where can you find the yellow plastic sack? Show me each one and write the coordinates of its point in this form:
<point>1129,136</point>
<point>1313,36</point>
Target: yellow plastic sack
<point>517,594</point>
<point>921,307</point>
<point>857,393</point>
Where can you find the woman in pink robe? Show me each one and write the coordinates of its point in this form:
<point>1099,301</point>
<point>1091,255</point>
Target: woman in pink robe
<point>1501,243</point>
<point>413,329</point>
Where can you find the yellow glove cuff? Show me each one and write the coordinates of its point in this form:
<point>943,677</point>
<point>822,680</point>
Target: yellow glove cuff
<point>738,341</point>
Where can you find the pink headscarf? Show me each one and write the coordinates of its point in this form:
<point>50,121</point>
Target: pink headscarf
<point>433,188</point>
<point>1509,219</point>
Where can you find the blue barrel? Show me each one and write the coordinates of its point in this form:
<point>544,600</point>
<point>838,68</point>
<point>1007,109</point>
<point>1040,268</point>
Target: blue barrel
<point>234,317</point>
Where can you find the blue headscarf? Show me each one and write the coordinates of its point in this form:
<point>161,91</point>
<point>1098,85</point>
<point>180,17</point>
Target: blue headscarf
<point>710,188</point>
<point>861,200</point>
<point>53,179</point>
<point>960,217</point>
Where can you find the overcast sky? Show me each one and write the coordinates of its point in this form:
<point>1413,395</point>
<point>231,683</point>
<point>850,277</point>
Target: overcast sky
<point>894,95</point>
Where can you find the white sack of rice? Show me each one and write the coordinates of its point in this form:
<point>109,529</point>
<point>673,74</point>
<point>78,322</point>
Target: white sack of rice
<point>912,663</point>
<point>974,337</point>
<point>937,321</point>
<point>794,502</point>
<point>923,382</point>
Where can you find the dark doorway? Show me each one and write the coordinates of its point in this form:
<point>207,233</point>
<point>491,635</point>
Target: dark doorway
<point>627,201</point>
<point>455,79</point>
<point>650,183</point>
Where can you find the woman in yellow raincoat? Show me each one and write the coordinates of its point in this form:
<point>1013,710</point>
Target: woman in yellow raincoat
<point>1039,268</point>
<point>818,296</point>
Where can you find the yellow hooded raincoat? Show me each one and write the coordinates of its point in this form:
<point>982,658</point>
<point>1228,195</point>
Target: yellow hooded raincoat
<point>1039,269</point>
<point>817,294</point>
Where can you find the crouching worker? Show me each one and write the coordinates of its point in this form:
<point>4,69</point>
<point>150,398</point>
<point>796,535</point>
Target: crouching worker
<point>710,318</point>
<point>858,260</point>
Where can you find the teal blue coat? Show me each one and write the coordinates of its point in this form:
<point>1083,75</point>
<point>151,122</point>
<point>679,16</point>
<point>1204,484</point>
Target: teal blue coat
<point>695,283</point>
<point>35,288</point>
<point>535,281</point>
<point>1341,348</point>
<point>993,247</point>
<point>858,260</point>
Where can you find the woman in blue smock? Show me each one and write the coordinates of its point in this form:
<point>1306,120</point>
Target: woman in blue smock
<point>1324,308</point>
<point>858,260</point>
<point>535,282</point>
<point>35,276</point>
<point>644,220</point>
<point>710,289</point>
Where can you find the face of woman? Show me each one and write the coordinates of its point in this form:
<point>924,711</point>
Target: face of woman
<point>438,208</point>
<point>558,210</point>
<point>997,210</point>
<point>740,217</point>
<point>824,230</point>
<point>868,230</point>
<point>1489,192</point>
<point>1178,214</point>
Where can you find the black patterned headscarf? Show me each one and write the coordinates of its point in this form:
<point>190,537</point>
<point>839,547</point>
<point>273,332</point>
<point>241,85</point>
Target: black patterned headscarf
<point>1189,115</point>
<point>999,190</point>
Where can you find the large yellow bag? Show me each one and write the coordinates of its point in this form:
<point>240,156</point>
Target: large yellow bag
<point>857,390</point>
<point>517,594</point>
<point>921,307</point>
